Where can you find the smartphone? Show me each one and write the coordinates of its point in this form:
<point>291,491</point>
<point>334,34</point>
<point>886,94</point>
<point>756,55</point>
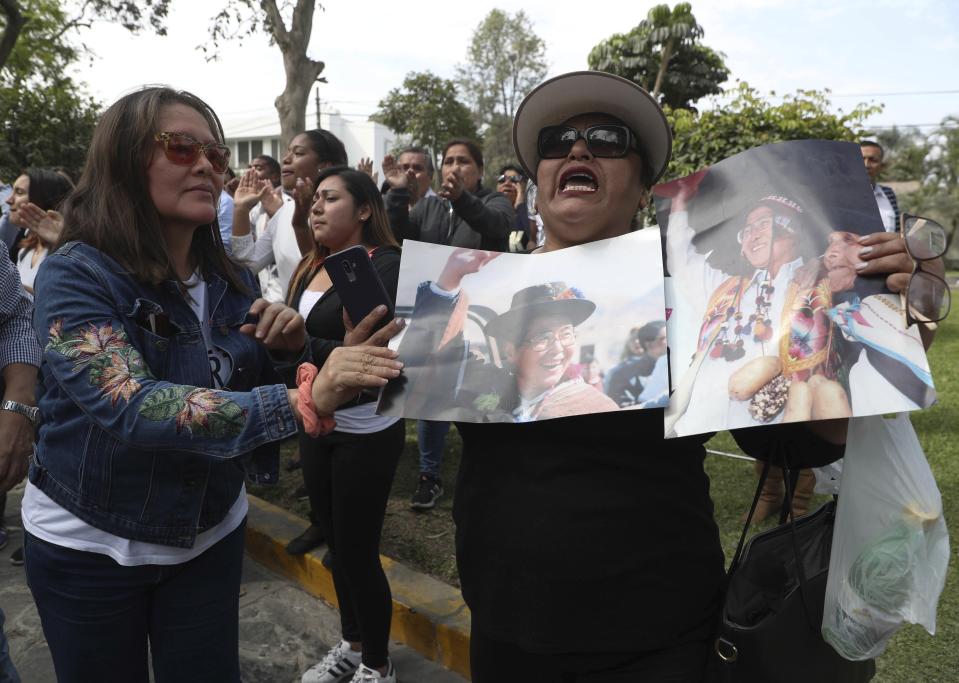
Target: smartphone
<point>358,284</point>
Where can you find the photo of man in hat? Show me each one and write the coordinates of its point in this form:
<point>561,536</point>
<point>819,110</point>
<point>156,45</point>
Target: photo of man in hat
<point>536,342</point>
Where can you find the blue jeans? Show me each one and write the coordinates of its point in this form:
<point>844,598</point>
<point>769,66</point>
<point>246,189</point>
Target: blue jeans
<point>8,674</point>
<point>432,439</point>
<point>97,615</point>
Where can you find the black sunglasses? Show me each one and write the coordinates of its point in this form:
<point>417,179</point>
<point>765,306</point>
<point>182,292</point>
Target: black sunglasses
<point>606,140</point>
<point>928,299</point>
<point>512,178</point>
<point>184,150</point>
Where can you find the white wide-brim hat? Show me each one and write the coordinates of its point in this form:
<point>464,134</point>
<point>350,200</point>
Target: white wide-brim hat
<point>584,92</point>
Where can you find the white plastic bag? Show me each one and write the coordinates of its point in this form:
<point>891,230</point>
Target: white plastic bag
<point>890,547</point>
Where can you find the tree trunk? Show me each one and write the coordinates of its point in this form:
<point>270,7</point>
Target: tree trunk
<point>301,74</point>
<point>301,71</point>
<point>11,32</point>
<point>663,64</point>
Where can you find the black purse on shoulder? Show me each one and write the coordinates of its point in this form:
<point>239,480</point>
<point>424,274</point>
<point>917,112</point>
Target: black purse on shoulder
<point>769,630</point>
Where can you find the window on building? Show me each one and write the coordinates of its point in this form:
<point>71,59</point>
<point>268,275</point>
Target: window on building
<point>243,152</point>
<point>256,148</point>
<point>275,148</point>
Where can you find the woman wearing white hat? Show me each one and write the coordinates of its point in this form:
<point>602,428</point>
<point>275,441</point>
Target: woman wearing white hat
<point>586,546</point>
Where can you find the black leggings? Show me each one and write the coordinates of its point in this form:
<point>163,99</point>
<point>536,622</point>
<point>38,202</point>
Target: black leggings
<point>348,477</point>
<point>494,662</point>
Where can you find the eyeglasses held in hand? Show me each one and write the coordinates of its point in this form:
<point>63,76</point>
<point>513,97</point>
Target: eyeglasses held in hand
<point>607,140</point>
<point>183,150</point>
<point>516,179</point>
<point>927,296</point>
<point>566,337</point>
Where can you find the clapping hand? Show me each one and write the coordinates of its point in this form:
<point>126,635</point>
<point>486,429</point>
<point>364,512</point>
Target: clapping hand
<point>46,224</point>
<point>303,200</point>
<point>272,201</point>
<point>250,191</point>
<point>366,166</point>
<point>452,187</point>
<point>397,177</point>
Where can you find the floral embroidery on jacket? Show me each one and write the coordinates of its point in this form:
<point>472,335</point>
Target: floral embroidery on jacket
<point>116,367</point>
<point>113,364</point>
<point>202,412</point>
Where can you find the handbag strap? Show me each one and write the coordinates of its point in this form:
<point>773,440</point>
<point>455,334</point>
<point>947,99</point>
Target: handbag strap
<point>749,518</point>
<point>777,449</point>
<point>800,568</point>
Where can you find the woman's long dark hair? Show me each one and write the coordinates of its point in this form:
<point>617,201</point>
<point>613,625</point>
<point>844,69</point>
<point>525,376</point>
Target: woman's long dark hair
<point>111,208</point>
<point>47,189</point>
<point>376,230</point>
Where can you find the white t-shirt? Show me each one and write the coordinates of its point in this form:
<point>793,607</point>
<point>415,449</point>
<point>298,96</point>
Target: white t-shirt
<point>46,519</point>
<point>28,272</point>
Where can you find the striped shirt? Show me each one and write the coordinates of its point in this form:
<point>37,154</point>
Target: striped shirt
<point>18,342</point>
<point>886,194</point>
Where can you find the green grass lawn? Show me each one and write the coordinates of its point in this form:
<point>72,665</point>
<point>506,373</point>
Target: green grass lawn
<point>425,540</point>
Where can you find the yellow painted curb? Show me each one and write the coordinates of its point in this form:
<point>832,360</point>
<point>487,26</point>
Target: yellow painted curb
<point>428,615</point>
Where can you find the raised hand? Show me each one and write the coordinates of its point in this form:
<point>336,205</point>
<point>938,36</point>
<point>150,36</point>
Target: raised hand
<point>250,191</point>
<point>461,263</point>
<point>46,224</point>
<point>272,201</point>
<point>303,199</point>
<point>279,328</point>
<point>366,166</point>
<point>452,187</point>
<point>397,177</point>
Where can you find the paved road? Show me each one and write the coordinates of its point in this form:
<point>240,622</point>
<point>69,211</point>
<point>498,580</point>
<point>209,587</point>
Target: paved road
<point>283,630</point>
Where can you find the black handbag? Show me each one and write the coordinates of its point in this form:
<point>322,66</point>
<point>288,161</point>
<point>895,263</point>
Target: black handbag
<point>769,630</point>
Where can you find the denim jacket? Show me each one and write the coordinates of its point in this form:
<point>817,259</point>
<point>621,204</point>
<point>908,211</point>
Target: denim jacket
<point>133,440</point>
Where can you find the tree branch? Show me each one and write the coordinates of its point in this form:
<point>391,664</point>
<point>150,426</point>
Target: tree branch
<point>277,27</point>
<point>15,23</point>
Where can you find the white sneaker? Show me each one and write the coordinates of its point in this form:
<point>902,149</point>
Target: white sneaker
<point>339,662</point>
<point>367,675</point>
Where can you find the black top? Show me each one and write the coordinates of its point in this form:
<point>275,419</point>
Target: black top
<point>478,220</point>
<point>593,533</point>
<point>324,324</point>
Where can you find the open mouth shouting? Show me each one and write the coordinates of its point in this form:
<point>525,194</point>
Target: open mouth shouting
<point>578,179</point>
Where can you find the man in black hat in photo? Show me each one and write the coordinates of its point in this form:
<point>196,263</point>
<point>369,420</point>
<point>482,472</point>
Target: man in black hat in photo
<point>536,338</point>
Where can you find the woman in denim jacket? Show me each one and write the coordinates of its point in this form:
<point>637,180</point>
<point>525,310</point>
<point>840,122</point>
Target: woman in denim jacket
<point>152,387</point>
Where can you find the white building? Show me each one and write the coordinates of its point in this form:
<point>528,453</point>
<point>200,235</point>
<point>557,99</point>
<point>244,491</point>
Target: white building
<point>252,136</point>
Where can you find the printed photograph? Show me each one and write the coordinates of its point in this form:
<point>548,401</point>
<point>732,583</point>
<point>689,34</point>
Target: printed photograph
<point>769,320</point>
<point>497,337</point>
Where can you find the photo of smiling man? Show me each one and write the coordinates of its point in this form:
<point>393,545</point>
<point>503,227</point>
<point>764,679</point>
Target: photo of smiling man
<point>754,280</point>
<point>498,338</point>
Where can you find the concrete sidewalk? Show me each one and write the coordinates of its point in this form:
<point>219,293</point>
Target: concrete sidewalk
<point>283,629</point>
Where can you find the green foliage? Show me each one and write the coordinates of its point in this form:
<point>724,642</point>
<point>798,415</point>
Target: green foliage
<point>45,118</point>
<point>45,125</point>
<point>497,147</point>
<point>938,169</point>
<point>662,54</point>
<point>904,153</point>
<point>505,60</point>
<point>426,109</point>
<point>54,22</point>
<point>704,138</point>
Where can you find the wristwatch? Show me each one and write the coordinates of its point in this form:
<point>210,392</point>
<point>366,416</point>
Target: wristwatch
<point>29,412</point>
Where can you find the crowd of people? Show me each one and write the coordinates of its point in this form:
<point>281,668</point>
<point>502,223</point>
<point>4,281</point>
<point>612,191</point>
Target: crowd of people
<point>163,329</point>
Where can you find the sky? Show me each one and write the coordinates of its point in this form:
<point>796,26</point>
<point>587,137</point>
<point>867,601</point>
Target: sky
<point>897,53</point>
